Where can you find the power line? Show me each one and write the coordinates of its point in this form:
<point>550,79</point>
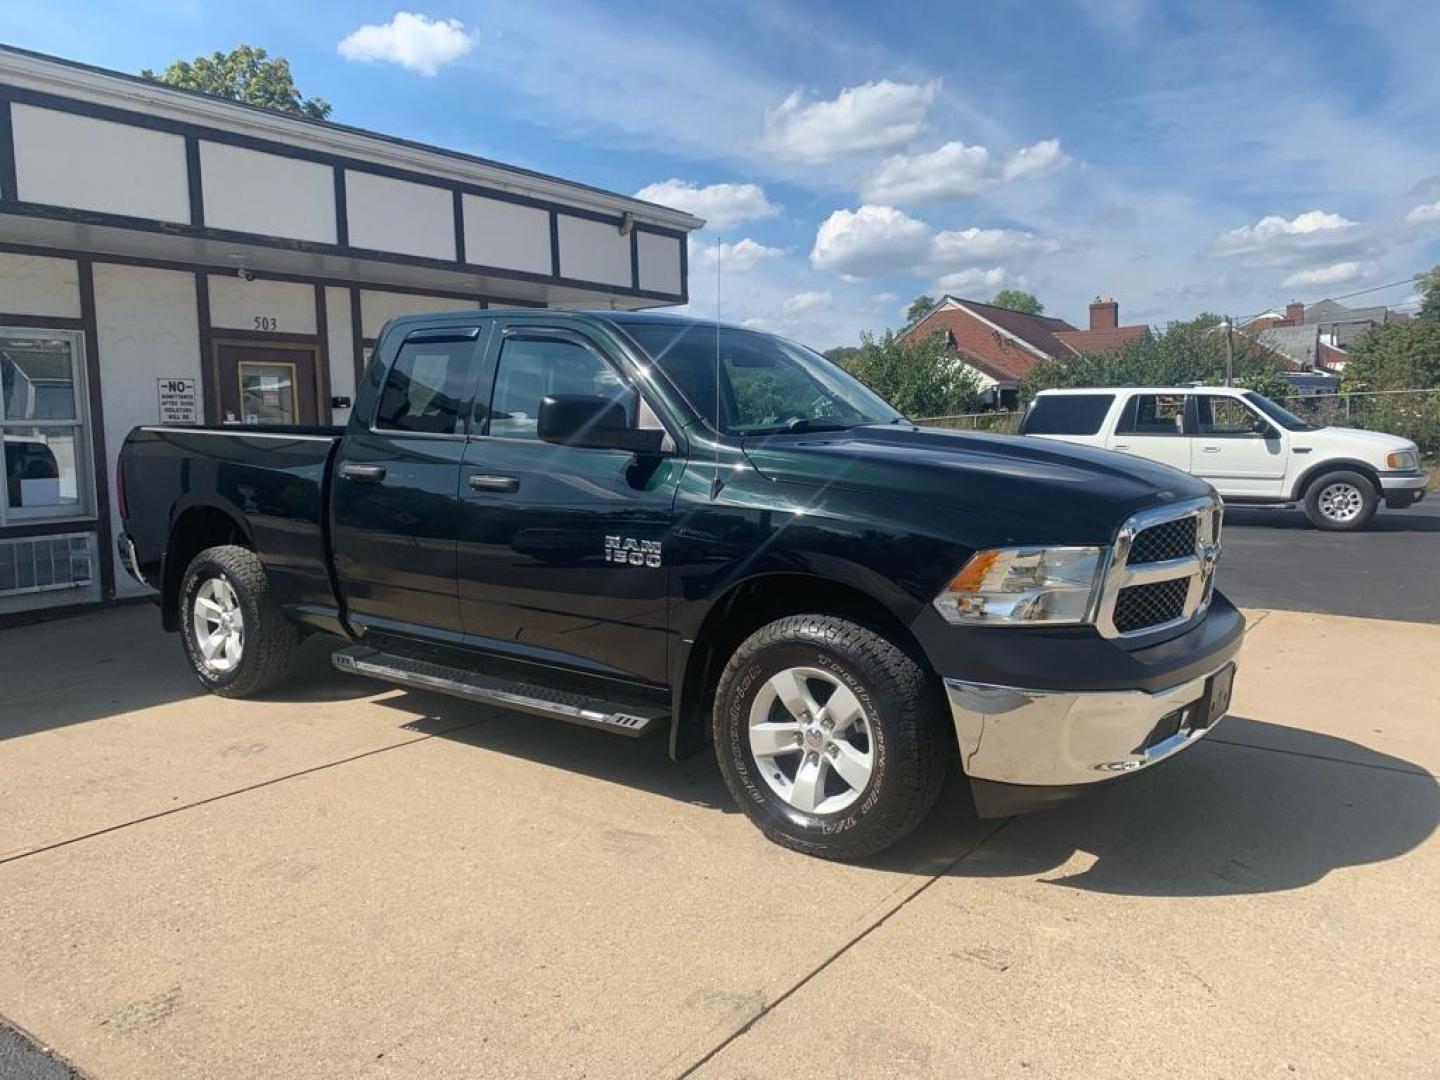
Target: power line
<point>1343,296</point>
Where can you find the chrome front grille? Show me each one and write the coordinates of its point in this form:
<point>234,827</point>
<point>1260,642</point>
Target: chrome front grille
<point>1162,569</point>
<point>1168,540</point>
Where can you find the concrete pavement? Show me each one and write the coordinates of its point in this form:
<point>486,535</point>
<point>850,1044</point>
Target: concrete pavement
<point>347,880</point>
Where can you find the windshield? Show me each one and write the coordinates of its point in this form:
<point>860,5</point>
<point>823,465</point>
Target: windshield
<point>1284,417</point>
<point>766,384</point>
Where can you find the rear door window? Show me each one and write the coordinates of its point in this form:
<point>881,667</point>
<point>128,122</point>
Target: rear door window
<point>1153,414</point>
<point>1067,414</point>
<point>428,386</point>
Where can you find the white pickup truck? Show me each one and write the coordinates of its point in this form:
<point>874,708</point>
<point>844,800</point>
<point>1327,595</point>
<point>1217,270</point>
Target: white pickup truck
<point>1252,451</point>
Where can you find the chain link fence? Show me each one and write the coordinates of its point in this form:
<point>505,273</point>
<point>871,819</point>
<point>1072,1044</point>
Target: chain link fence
<point>1411,414</point>
<point>999,423</point>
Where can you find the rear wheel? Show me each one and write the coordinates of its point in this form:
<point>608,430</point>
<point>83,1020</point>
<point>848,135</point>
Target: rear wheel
<point>1341,502</point>
<point>238,641</point>
<point>829,737</point>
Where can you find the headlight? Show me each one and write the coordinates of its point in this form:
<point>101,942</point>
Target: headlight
<point>1403,459</point>
<point>1026,586</point>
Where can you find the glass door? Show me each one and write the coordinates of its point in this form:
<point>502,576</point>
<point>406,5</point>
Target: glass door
<point>267,384</point>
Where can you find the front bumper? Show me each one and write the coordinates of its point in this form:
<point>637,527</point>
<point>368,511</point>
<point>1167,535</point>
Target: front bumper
<point>1051,738</point>
<point>1403,489</point>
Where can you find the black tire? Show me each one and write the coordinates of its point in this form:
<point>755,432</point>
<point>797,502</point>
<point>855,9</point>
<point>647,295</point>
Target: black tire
<point>269,639</point>
<point>906,740</point>
<point>1320,501</point>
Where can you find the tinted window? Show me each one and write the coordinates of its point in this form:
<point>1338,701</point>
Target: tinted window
<point>1067,414</point>
<point>533,368</point>
<point>426,386</point>
<point>1154,414</point>
<point>744,382</point>
<point>1223,416</point>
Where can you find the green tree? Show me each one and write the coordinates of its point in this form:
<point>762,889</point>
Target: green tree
<point>1428,284</point>
<point>245,74</point>
<point>918,307</point>
<point>1019,300</point>
<point>920,379</point>
<point>1396,356</point>
<point>1186,352</point>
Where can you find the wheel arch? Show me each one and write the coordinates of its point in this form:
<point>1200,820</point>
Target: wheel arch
<point>1320,468</point>
<point>195,528</point>
<point>742,609</point>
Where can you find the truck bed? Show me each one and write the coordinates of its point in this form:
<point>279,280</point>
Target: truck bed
<point>271,480</point>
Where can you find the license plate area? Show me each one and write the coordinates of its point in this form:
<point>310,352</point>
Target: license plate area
<point>1216,702</point>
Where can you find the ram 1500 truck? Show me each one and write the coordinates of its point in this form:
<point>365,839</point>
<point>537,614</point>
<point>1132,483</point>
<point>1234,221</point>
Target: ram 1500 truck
<point>644,521</point>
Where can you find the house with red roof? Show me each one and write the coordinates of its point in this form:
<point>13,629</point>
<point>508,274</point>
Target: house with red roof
<point>1001,345</point>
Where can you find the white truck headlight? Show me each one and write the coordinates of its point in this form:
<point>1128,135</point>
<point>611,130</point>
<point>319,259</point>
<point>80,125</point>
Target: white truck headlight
<point>1024,586</point>
<point>1403,459</point>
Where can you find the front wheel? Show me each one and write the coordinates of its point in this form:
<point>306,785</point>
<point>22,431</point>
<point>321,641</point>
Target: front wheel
<point>1341,502</point>
<point>830,738</point>
<point>238,641</point>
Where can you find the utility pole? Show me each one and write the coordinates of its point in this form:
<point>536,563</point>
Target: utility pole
<point>1229,350</point>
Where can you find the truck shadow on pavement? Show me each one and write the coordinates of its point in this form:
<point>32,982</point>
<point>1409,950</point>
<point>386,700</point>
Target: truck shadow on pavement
<point>1255,808</point>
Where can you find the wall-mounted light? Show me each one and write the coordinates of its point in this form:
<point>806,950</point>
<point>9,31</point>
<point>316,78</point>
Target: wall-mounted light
<point>627,222</point>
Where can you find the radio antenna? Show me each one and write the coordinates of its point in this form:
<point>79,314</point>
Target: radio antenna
<point>716,483</point>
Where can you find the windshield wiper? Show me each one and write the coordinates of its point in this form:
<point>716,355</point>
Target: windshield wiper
<point>810,423</point>
<point>802,424</point>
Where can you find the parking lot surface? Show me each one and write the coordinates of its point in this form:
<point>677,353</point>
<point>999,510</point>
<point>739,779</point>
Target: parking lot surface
<point>350,880</point>
<point>1390,570</point>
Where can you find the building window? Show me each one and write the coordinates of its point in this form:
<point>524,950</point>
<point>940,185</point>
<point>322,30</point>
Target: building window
<point>44,426</point>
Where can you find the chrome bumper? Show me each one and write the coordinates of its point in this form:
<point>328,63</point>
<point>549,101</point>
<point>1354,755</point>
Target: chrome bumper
<point>126,547</point>
<point>1052,738</point>
<point>1406,481</point>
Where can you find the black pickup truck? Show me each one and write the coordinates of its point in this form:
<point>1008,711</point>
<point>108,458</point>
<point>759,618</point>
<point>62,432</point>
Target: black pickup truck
<point>647,522</point>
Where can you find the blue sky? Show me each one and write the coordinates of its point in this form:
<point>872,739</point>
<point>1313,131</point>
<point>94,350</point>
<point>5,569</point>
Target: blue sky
<point>1181,157</point>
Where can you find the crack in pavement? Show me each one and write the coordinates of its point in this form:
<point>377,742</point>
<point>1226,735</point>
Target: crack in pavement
<point>169,811</point>
<point>809,976</point>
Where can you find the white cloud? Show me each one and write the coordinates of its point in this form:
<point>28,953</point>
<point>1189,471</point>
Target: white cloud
<point>870,118</point>
<point>1277,241</point>
<point>720,205</point>
<point>1334,274</point>
<point>953,169</point>
<point>870,241</point>
<point>965,247</point>
<point>806,301</point>
<point>411,40</point>
<point>1424,214</point>
<point>991,280</point>
<point>884,298</point>
<point>956,170</point>
<point>738,257</point>
<point>877,240</point>
<point>1033,162</point>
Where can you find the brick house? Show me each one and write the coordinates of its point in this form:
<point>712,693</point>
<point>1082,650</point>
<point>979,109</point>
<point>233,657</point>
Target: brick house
<point>1315,338</point>
<point>1001,345</point>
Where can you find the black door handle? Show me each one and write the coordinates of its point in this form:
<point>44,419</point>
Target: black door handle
<point>363,472</point>
<point>482,482</point>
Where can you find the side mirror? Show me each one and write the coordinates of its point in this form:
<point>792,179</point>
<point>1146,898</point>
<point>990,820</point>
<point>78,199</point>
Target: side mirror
<point>597,423</point>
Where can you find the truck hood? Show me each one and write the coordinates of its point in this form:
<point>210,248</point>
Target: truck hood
<point>1371,446</point>
<point>1043,491</point>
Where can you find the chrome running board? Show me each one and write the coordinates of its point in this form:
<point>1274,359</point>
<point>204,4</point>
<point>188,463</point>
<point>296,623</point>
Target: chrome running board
<point>504,693</point>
